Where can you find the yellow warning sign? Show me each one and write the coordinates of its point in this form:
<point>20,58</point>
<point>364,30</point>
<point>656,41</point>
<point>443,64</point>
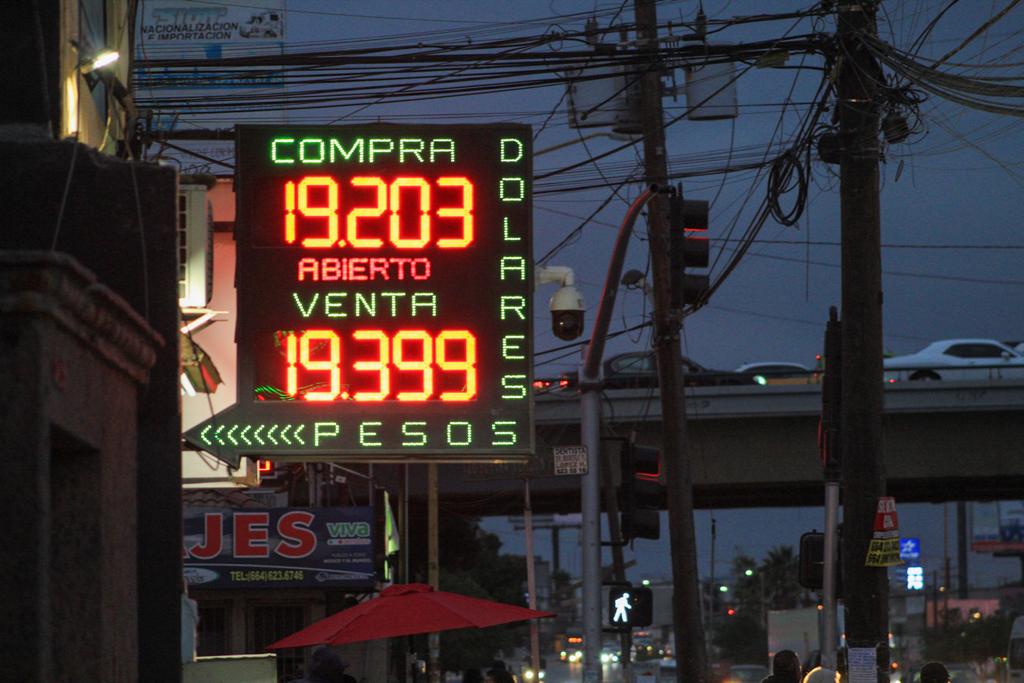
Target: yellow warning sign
<point>883,552</point>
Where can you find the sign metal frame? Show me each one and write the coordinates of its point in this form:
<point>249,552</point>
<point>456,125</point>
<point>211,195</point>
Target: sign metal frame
<point>497,424</point>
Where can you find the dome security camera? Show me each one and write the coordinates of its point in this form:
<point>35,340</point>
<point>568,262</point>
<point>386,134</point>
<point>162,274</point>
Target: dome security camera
<point>567,313</point>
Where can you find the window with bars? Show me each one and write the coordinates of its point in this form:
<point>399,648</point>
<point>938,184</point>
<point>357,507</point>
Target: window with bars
<point>273,622</point>
<point>182,246</point>
<point>212,634</point>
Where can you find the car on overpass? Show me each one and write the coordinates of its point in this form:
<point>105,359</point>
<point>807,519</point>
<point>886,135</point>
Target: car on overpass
<point>780,372</point>
<point>638,370</point>
<point>955,359</point>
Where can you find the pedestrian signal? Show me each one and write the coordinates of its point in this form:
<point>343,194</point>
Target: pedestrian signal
<point>629,607</point>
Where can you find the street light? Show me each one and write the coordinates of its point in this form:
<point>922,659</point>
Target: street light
<point>98,61</point>
<point>590,436</point>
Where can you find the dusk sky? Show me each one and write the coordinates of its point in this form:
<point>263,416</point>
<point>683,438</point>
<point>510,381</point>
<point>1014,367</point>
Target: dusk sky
<point>953,247</point>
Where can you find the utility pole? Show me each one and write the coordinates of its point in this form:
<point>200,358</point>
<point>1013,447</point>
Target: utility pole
<point>863,475</point>
<point>686,612</point>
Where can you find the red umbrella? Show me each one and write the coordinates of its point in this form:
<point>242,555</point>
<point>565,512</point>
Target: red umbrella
<point>403,610</point>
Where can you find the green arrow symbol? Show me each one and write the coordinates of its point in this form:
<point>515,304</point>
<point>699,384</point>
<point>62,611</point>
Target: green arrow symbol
<point>270,434</point>
<point>202,434</point>
<point>256,434</point>
<point>230,435</point>
<point>298,431</point>
<point>216,435</point>
<point>284,434</point>
<point>242,436</point>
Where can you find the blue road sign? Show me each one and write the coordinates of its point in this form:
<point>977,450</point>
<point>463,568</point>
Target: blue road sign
<point>910,548</point>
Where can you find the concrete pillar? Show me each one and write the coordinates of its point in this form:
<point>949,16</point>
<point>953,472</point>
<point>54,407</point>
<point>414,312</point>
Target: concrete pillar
<point>119,220</point>
<point>74,357</point>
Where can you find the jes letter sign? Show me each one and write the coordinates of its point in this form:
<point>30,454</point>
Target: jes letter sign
<point>384,281</point>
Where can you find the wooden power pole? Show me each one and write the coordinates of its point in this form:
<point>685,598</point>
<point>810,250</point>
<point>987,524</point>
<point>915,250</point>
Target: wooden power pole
<point>689,631</point>
<point>863,474</point>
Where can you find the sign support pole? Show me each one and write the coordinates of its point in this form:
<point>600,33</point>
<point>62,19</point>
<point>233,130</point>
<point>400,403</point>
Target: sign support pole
<point>831,446</point>
<point>590,436</point>
<point>433,571</point>
<point>531,579</point>
<point>828,595</point>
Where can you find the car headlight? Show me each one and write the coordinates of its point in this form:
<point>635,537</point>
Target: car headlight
<point>528,674</point>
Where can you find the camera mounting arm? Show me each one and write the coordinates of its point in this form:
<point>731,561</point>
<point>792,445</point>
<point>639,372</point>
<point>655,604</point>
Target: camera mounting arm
<point>546,275</point>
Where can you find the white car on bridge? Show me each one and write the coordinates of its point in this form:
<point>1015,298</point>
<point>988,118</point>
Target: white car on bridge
<point>957,359</point>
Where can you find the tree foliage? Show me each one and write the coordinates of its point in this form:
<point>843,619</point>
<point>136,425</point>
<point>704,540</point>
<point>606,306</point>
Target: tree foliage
<point>471,647</point>
<point>757,587</point>
<point>971,640</point>
<point>472,564</point>
<point>740,638</point>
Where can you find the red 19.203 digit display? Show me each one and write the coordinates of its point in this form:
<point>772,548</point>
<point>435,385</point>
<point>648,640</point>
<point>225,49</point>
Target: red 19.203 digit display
<point>387,199</point>
<point>384,278</point>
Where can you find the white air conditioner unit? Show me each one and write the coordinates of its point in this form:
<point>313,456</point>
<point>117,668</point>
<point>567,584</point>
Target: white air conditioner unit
<point>203,471</point>
<point>195,247</point>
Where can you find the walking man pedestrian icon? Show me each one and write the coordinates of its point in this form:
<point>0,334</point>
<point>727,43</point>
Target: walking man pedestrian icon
<point>622,607</point>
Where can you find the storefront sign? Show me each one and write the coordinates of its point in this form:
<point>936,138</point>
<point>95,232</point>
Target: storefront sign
<point>279,548</point>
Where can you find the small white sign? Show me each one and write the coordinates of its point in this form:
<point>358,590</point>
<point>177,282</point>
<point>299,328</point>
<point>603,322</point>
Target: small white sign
<point>569,460</point>
<point>861,665</point>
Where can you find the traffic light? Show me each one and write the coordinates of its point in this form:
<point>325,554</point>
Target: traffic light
<point>812,561</point>
<point>688,249</point>
<point>641,497</point>
<point>629,607</point>
<point>811,571</point>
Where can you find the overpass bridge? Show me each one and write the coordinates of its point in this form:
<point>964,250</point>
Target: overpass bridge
<point>756,446</point>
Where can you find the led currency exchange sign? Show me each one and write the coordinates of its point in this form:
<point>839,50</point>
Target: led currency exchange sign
<point>384,281</point>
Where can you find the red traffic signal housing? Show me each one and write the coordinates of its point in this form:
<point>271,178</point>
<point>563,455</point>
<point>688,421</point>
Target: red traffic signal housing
<point>688,249</point>
<point>811,568</point>
<point>641,497</point>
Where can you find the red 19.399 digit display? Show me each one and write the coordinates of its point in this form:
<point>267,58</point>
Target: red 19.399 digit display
<point>414,353</point>
<point>384,277</point>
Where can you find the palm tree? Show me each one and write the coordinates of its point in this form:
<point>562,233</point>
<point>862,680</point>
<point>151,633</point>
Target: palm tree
<point>782,589</point>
